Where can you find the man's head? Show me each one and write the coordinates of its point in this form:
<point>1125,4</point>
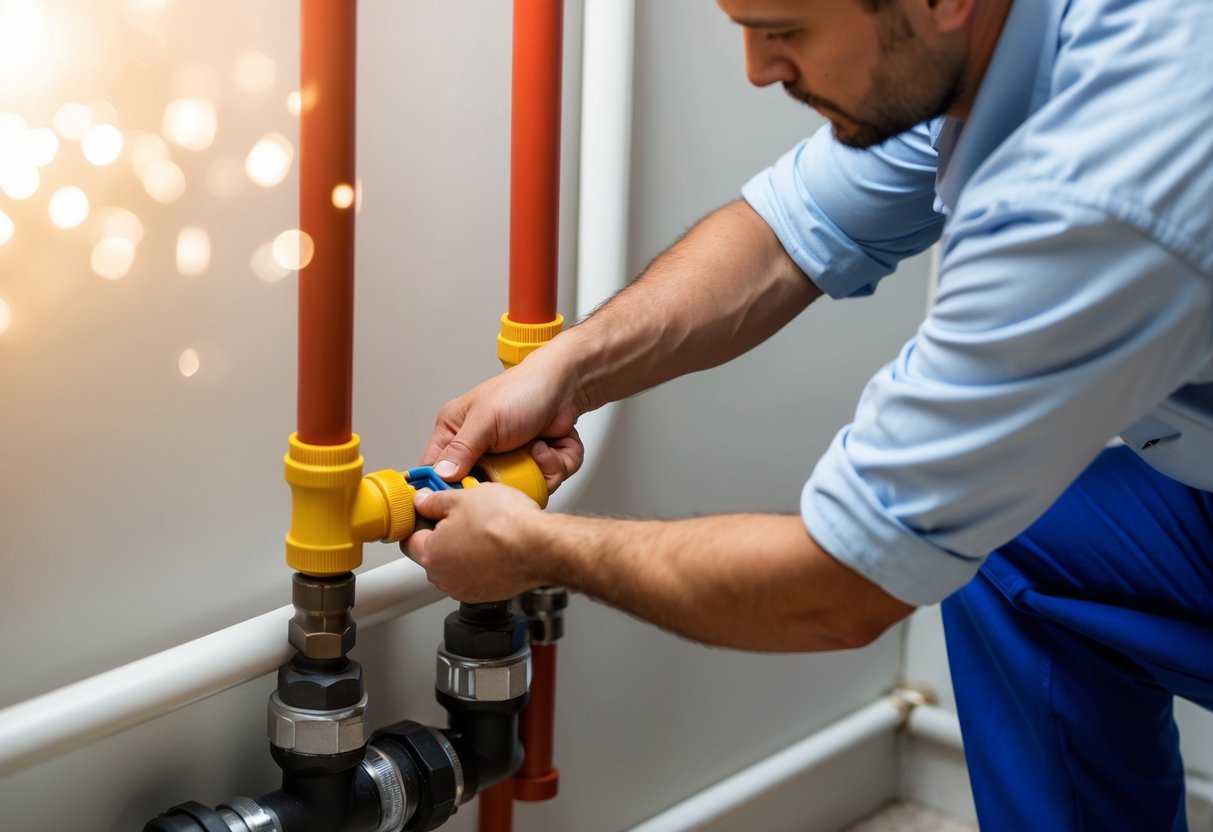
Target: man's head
<point>874,68</point>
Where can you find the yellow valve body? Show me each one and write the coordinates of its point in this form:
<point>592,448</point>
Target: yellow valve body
<point>334,509</point>
<point>516,341</point>
<point>519,470</point>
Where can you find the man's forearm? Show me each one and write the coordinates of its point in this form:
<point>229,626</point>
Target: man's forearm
<point>749,581</point>
<point>721,290</point>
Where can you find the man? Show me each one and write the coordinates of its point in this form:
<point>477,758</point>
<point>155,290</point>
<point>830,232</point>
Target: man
<point>1061,151</point>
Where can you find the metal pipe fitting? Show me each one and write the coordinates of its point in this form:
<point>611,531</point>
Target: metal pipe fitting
<point>484,680</point>
<point>243,814</point>
<point>323,626</point>
<point>316,732</point>
<point>544,609</point>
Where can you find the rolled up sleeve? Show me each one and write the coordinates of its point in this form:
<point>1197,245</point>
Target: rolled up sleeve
<point>1056,327</point>
<point>848,217</point>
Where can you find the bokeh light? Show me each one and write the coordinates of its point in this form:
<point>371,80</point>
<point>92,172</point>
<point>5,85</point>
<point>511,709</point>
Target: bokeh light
<point>265,266</point>
<point>294,103</point>
<point>68,207</point>
<point>6,316</point>
<point>102,144</point>
<point>18,178</point>
<point>41,146</point>
<point>193,251</point>
<point>146,150</point>
<point>293,249</point>
<point>255,72</point>
<point>72,121</point>
<point>164,182</point>
<point>188,362</point>
<point>24,42</point>
<point>112,258</point>
<point>6,228</point>
<point>190,122</point>
<point>119,222</point>
<point>270,160</point>
<point>343,196</point>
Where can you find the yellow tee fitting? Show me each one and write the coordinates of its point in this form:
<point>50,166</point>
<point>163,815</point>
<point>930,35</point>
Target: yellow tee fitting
<point>334,509</point>
<point>516,341</point>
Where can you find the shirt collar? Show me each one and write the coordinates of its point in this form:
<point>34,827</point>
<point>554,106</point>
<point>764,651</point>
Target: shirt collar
<point>1016,83</point>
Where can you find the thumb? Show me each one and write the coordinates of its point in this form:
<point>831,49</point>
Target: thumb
<point>434,505</point>
<point>455,460</point>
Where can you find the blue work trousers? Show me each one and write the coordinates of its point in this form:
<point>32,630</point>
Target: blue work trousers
<point>1069,646</point>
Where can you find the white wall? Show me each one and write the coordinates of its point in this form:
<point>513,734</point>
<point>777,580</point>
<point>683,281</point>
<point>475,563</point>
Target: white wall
<point>140,508</point>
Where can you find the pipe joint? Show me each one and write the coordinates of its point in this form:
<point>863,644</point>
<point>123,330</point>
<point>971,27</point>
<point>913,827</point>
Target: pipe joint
<point>518,340</point>
<point>315,732</point>
<point>484,680</point>
<point>335,509</point>
<point>544,609</point>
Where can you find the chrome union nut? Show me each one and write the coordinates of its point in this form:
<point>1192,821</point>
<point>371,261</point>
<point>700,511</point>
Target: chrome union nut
<point>484,680</point>
<point>317,732</point>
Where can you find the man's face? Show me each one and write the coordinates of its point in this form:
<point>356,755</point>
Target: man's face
<point>873,74</point>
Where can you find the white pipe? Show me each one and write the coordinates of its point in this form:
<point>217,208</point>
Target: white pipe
<point>760,778</point>
<point>608,39</point>
<point>54,723</point>
<point>931,722</point>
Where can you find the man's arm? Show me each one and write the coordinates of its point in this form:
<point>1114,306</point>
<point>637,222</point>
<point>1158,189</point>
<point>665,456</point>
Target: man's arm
<point>727,286</point>
<point>747,581</point>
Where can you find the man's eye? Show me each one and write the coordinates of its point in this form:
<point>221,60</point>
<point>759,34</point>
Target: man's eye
<point>783,34</point>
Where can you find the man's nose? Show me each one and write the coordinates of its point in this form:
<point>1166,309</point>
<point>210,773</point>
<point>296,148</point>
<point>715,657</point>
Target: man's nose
<point>765,61</point>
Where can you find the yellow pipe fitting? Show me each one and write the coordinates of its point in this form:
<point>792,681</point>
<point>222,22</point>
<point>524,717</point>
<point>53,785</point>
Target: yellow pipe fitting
<point>519,470</point>
<point>516,341</point>
<point>334,509</point>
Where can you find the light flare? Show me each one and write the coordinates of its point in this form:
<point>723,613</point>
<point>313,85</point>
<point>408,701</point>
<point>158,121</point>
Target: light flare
<point>255,72</point>
<point>6,228</point>
<point>112,258</point>
<point>41,146</point>
<point>293,249</point>
<point>265,266</point>
<point>270,160</point>
<point>164,182</point>
<point>190,123</point>
<point>68,207</point>
<point>102,144</point>
<point>71,121</point>
<point>189,362</point>
<point>343,196</point>
<point>193,251</point>
<point>121,223</point>
<point>6,316</point>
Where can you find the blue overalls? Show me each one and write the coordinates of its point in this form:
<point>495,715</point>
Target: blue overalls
<point>1069,646</point>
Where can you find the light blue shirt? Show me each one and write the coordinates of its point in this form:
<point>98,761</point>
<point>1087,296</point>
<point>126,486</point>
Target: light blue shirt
<point>1075,304</point>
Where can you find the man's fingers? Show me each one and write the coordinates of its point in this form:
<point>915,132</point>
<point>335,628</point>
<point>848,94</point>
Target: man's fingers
<point>414,545</point>
<point>434,505</point>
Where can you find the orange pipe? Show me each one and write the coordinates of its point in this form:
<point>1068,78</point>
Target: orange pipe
<point>535,160</point>
<point>496,809</point>
<point>538,779</point>
<point>326,160</point>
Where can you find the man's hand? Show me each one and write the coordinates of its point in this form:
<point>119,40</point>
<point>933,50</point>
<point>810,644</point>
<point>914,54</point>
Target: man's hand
<point>530,403</point>
<point>479,549</point>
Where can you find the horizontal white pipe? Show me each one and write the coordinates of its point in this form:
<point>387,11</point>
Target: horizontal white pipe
<point>54,723</point>
<point>608,40</point>
<point>934,723</point>
<point>760,778</point>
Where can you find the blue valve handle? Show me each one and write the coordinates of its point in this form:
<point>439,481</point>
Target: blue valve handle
<point>425,477</point>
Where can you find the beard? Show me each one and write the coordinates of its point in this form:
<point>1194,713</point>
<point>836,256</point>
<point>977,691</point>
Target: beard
<point>910,85</point>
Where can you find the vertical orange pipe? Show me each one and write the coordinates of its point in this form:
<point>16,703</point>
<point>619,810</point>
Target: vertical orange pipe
<point>537,778</point>
<point>535,159</point>
<point>326,160</point>
<point>496,808</point>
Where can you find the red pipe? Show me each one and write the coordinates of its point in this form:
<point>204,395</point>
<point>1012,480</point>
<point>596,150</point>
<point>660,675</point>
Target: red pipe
<point>535,159</point>
<point>326,160</point>
<point>496,808</point>
<point>537,779</point>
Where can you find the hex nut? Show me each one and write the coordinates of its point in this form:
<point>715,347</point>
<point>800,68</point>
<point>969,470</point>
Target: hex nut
<point>305,731</point>
<point>322,638</point>
<point>478,640</point>
<point>484,680</point>
<point>320,691</point>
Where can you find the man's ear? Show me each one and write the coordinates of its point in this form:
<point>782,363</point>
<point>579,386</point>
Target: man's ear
<point>946,16</point>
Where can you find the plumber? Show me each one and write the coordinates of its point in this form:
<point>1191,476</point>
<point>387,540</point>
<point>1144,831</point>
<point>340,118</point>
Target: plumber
<point>1061,153</point>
